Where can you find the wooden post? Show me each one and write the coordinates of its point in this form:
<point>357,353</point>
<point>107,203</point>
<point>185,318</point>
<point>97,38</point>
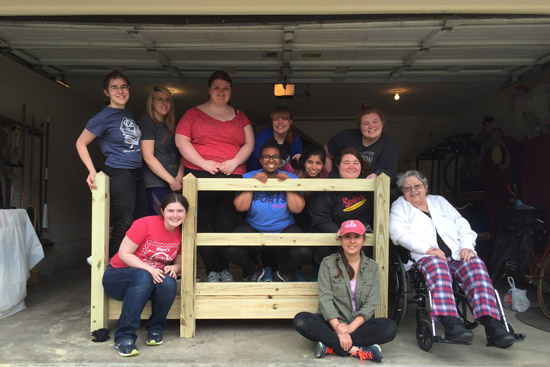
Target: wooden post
<point>100,252</point>
<point>381,238</point>
<point>188,259</point>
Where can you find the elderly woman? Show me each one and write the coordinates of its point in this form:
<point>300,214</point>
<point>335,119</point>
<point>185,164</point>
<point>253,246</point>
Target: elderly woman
<point>443,245</point>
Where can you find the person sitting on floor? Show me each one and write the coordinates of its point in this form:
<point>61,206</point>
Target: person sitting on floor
<point>270,212</point>
<point>349,287</point>
<point>145,268</point>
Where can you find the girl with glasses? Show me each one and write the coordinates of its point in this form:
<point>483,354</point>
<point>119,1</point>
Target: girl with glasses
<point>283,132</point>
<point>119,139</point>
<point>269,212</point>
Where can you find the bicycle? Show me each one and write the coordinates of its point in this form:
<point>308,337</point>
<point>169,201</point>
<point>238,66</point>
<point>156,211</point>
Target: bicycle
<point>539,274</point>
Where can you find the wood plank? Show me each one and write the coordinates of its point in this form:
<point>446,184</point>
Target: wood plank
<point>100,252</point>
<point>274,289</point>
<point>272,239</point>
<point>253,307</point>
<point>381,231</point>
<point>301,184</point>
<point>188,259</point>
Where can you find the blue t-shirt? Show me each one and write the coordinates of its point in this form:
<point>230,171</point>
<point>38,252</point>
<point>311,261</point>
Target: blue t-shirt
<point>287,150</point>
<point>118,136</point>
<point>268,211</point>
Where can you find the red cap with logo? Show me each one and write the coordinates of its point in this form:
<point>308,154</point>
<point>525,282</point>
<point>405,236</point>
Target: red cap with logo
<point>352,226</point>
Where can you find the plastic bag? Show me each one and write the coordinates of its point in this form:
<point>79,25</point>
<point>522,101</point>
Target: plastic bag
<point>516,299</point>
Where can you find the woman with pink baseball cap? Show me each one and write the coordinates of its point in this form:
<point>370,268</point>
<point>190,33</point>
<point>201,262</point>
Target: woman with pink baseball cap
<point>349,287</point>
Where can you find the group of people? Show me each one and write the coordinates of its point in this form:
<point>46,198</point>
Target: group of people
<point>215,140</point>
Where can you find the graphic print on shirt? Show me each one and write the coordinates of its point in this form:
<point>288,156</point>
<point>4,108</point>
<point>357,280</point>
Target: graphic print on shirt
<point>130,131</point>
<point>168,138</point>
<point>157,254</point>
<point>367,155</point>
<point>276,198</point>
<point>353,203</point>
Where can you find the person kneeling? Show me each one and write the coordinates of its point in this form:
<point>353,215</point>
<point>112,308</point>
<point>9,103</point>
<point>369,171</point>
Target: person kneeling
<point>349,287</point>
<point>141,270</point>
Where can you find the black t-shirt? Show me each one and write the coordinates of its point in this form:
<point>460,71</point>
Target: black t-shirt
<point>382,155</point>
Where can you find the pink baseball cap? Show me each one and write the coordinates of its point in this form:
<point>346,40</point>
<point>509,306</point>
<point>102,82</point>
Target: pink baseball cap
<point>352,226</point>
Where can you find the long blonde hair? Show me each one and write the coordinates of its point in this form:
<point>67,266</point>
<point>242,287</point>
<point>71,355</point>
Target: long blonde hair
<point>170,118</point>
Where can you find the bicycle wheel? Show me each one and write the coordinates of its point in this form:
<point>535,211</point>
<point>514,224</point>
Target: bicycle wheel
<point>543,287</point>
<point>397,289</point>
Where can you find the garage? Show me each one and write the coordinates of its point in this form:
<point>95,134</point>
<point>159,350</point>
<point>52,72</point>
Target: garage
<point>451,67</point>
<point>461,70</point>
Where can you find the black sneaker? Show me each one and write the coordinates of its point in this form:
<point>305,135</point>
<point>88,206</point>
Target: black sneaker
<point>497,334</point>
<point>455,330</point>
<point>256,276</point>
<point>127,348</point>
<point>286,277</point>
<point>321,350</point>
<point>372,353</point>
<point>154,339</point>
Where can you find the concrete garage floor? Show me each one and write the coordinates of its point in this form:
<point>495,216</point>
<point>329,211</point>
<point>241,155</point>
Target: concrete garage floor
<point>54,331</point>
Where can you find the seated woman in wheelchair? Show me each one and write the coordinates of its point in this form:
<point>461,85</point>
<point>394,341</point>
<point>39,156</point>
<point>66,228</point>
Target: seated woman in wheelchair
<point>443,245</point>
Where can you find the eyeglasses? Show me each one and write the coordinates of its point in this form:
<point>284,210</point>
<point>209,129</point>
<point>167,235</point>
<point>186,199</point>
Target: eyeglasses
<point>416,187</point>
<point>162,100</point>
<point>121,87</point>
<point>270,157</point>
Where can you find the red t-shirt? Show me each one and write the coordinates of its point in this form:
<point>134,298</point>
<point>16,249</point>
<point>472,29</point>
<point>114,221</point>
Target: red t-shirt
<point>157,246</point>
<point>213,139</point>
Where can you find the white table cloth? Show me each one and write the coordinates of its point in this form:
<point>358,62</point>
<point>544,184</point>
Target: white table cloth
<point>20,251</point>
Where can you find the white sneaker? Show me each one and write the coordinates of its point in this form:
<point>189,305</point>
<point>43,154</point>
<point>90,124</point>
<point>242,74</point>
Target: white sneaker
<point>89,260</point>
<point>212,277</point>
<point>225,276</point>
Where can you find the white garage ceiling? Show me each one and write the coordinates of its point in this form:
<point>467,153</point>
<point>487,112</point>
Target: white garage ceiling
<point>380,50</point>
<point>447,60</point>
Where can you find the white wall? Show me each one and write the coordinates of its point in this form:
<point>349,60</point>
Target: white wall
<point>515,108</point>
<point>68,194</point>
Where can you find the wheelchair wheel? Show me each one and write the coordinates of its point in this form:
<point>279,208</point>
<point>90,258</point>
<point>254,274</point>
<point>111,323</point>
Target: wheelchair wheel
<point>424,335</point>
<point>397,289</point>
<point>543,287</point>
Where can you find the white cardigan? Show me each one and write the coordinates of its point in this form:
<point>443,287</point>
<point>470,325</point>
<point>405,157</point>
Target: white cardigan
<point>414,230</point>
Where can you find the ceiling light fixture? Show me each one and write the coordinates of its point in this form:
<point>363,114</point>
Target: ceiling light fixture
<point>63,83</point>
<point>396,95</point>
<point>283,90</point>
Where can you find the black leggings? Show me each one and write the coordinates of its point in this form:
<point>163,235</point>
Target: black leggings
<point>288,258</point>
<point>215,213</point>
<point>374,331</point>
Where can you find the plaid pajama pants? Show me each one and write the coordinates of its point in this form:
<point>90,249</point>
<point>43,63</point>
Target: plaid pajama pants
<point>471,276</point>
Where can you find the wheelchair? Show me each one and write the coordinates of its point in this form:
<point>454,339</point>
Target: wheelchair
<point>400,280</point>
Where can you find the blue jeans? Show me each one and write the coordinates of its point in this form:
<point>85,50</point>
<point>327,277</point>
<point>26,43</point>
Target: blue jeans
<point>128,202</point>
<point>134,287</point>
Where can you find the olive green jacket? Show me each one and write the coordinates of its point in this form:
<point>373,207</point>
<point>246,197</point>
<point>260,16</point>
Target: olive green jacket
<point>335,293</point>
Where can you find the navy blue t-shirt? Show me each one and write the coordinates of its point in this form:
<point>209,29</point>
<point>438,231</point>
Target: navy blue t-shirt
<point>119,137</point>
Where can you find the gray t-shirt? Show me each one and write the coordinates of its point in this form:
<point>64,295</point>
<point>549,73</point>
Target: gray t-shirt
<point>165,150</point>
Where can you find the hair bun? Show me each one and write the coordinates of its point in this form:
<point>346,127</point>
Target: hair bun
<point>365,105</point>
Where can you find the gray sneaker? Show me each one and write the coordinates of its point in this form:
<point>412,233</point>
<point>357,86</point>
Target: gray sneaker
<point>225,276</point>
<point>213,277</point>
